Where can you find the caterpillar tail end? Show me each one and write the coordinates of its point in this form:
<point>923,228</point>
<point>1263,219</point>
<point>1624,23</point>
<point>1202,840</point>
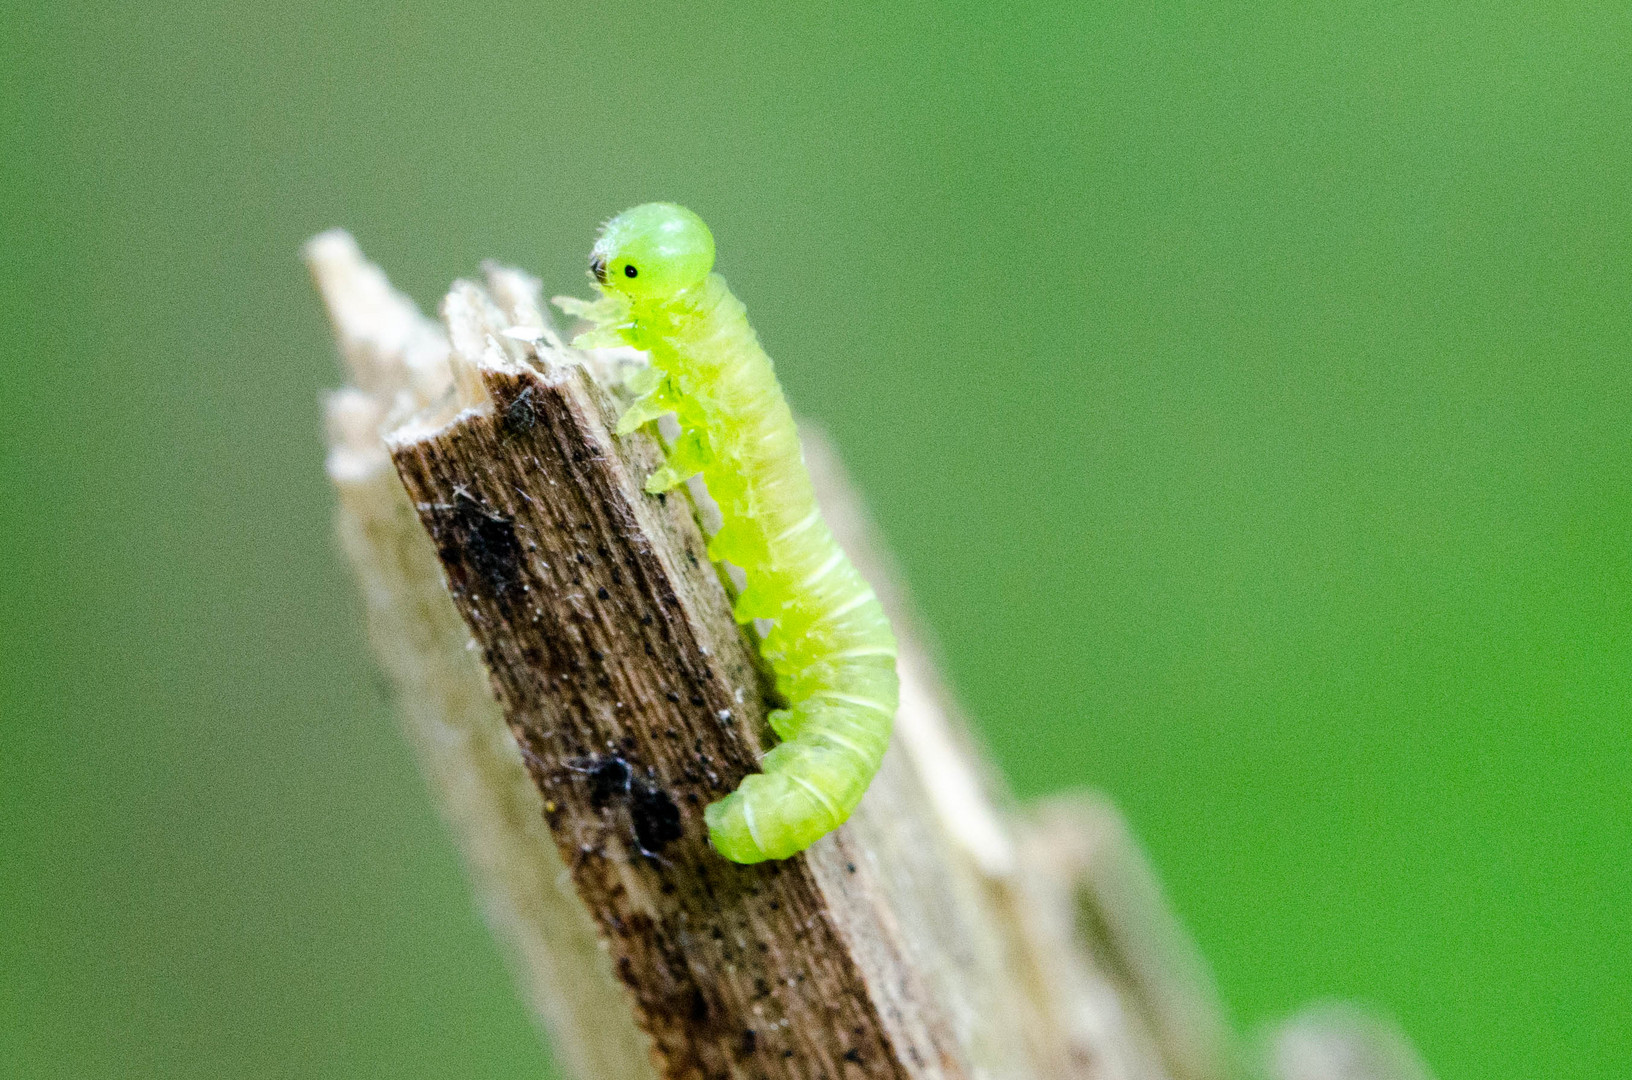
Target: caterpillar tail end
<point>737,836</point>
<point>729,831</point>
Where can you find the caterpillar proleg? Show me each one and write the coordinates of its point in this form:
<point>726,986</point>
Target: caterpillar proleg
<point>830,643</point>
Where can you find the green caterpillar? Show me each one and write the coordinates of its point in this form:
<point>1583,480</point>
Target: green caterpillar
<point>830,644</point>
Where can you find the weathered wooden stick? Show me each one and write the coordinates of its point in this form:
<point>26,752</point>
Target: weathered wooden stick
<point>941,933</point>
<point>921,928</point>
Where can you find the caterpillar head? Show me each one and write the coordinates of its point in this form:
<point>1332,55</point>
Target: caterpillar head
<point>653,252</point>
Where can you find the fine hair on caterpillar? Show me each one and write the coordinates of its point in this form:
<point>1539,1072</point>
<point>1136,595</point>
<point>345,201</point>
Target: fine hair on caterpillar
<point>829,642</point>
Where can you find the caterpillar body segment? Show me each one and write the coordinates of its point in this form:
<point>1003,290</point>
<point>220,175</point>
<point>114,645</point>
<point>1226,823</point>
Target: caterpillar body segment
<point>829,644</point>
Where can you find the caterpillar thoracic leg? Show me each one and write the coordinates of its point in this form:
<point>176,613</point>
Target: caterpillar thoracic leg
<point>830,643</point>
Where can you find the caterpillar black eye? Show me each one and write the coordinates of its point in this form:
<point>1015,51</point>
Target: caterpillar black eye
<point>629,270</point>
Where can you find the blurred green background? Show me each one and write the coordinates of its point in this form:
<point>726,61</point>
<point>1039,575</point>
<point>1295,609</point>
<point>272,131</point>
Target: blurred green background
<point>1244,387</point>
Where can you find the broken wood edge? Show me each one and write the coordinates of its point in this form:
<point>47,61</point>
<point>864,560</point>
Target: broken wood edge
<point>398,362</point>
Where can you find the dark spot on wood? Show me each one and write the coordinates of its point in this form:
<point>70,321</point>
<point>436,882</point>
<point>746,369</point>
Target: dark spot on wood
<point>853,1056</point>
<point>519,415</point>
<point>608,777</point>
<point>850,867</point>
<point>602,593</point>
<point>481,538</point>
<point>656,817</point>
<point>672,696</point>
<point>750,1040</point>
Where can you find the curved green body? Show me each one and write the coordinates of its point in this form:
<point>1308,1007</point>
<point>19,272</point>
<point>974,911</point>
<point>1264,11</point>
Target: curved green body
<point>830,643</point>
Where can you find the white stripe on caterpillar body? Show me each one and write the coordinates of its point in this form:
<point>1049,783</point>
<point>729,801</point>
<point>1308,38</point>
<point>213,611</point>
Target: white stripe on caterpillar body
<point>830,643</point>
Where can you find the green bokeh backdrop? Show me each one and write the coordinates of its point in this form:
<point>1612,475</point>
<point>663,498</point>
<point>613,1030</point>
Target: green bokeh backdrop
<point>1245,388</point>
